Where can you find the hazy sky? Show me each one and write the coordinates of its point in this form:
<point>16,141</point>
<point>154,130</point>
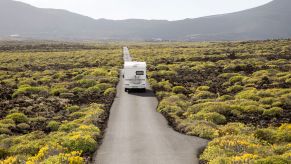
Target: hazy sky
<point>148,9</point>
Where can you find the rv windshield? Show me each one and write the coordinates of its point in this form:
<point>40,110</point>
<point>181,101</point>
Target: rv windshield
<point>139,72</point>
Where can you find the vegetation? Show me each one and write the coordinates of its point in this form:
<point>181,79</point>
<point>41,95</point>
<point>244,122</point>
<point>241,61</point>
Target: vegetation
<point>54,100</point>
<point>235,93</point>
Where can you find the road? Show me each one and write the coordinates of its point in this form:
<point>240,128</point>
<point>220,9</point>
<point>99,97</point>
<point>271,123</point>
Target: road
<point>138,134</point>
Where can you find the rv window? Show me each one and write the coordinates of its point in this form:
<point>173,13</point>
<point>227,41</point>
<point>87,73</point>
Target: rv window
<point>139,72</point>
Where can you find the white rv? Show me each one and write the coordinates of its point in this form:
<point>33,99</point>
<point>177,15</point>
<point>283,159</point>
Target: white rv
<point>134,75</point>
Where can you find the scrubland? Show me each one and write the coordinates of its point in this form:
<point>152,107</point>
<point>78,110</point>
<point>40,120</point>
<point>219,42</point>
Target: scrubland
<point>237,94</point>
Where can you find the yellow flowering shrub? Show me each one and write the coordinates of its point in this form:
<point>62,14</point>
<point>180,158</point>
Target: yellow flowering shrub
<point>10,160</point>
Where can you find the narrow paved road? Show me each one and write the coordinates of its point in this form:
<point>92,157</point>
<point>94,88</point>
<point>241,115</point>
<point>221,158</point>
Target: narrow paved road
<point>137,134</point>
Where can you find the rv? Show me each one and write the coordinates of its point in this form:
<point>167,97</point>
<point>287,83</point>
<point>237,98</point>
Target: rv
<point>134,75</point>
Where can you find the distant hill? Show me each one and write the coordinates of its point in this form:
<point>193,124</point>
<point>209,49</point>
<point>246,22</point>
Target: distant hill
<point>269,21</point>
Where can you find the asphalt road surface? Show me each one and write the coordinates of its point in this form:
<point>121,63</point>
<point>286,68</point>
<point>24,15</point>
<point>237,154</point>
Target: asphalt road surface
<point>138,134</point>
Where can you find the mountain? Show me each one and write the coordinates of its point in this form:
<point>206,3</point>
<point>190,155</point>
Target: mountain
<point>269,21</point>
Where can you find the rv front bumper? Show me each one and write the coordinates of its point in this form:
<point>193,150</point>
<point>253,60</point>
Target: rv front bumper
<point>129,86</point>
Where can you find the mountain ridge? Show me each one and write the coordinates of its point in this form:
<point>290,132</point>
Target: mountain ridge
<point>269,21</point>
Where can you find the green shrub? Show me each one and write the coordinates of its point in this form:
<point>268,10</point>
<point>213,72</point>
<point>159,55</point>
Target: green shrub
<point>226,97</point>
<point>235,88</point>
<point>203,95</point>
<point>203,88</point>
<point>53,125</point>
<point>235,129</point>
<point>7,123</point>
<point>267,100</point>
<point>73,108</point>
<point>18,117</point>
<point>251,109</point>
<point>80,142</point>
<point>283,133</point>
<point>288,81</point>
<point>26,148</point>
<point>78,90</point>
<point>161,94</point>
<point>86,83</point>
<point>273,160</point>
<point>100,72</point>
<point>273,112</point>
<point>77,115</point>
<point>248,94</point>
<point>203,129</point>
<point>67,127</point>
<point>28,90</point>
<point>110,92</point>
<point>23,126</point>
<point>93,90</point>
<point>211,116</point>
<point>169,109</point>
<point>179,89</point>
<point>266,134</point>
<point>4,130</point>
<point>67,95</point>
<point>230,146</point>
<point>236,79</point>
<point>286,100</point>
<point>103,86</point>
<point>3,153</point>
<point>56,91</point>
<point>219,107</point>
<point>162,67</point>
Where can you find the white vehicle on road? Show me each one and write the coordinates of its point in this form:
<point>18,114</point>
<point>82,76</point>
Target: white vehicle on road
<point>134,75</point>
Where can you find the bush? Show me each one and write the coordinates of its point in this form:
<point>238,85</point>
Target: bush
<point>18,117</point>
<point>68,127</point>
<point>10,160</point>
<point>267,100</point>
<point>236,79</point>
<point>203,129</point>
<point>100,72</point>
<point>211,116</point>
<point>53,125</point>
<point>110,92</point>
<point>56,91</point>
<point>273,160</point>
<point>86,83</point>
<point>226,97</point>
<point>3,153</point>
<point>28,90</point>
<point>179,89</point>
<point>93,90</point>
<point>283,133</point>
<point>203,95</point>
<point>80,142</point>
<point>67,95</point>
<point>266,134</point>
<point>103,86</point>
<point>230,146</point>
<point>248,94</point>
<point>77,115</point>
<point>23,126</point>
<point>251,109</point>
<point>203,88</point>
<point>235,88</point>
<point>161,94</point>
<point>235,129</point>
<point>26,148</point>
<point>208,107</point>
<point>273,112</point>
<point>73,108</point>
